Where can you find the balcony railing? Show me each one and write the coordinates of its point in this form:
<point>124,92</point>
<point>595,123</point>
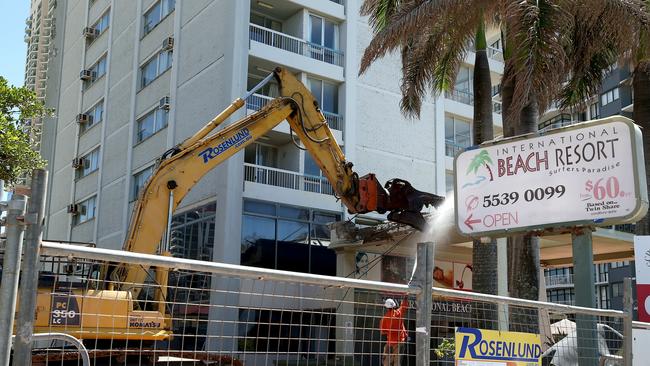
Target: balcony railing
<point>496,107</point>
<point>495,53</point>
<point>558,280</point>
<point>286,179</point>
<point>295,45</point>
<point>256,101</point>
<point>452,148</point>
<point>460,96</point>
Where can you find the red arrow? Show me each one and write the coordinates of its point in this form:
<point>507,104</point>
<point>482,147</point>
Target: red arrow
<point>468,221</point>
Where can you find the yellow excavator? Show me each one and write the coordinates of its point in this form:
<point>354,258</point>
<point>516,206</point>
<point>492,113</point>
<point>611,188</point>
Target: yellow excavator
<point>112,311</point>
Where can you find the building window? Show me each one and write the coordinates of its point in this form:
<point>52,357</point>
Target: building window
<point>326,94</point>
<point>192,237</point>
<point>457,135</point>
<point>601,272</point>
<point>603,297</point>
<point>95,115</point>
<point>449,182</point>
<point>266,22</point>
<point>87,210</point>
<point>90,163</point>
<point>98,69</point>
<point>260,154</point>
<point>139,180</point>
<point>617,289</point>
<point>154,67</point>
<point>619,264</point>
<point>102,23</point>
<point>323,32</point>
<point>561,296</point>
<point>151,123</point>
<point>464,81</point>
<point>609,96</point>
<point>594,111</point>
<point>556,122</point>
<point>157,13</point>
<point>287,237</point>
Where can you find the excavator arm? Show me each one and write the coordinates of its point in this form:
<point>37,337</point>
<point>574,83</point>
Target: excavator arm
<point>180,168</point>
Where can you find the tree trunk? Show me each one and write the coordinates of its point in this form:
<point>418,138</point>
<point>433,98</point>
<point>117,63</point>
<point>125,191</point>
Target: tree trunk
<point>523,250</point>
<point>484,255</point>
<point>641,86</point>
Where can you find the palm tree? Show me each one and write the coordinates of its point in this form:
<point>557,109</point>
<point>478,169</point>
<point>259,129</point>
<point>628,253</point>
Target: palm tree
<point>417,74</point>
<point>544,42</point>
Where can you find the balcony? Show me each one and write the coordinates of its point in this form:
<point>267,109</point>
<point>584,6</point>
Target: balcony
<point>460,96</point>
<point>452,148</point>
<point>558,280</point>
<point>295,45</point>
<point>287,179</point>
<point>495,53</point>
<point>256,101</point>
<point>496,106</point>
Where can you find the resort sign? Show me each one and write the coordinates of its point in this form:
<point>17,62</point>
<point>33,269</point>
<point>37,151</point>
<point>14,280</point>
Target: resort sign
<point>590,173</point>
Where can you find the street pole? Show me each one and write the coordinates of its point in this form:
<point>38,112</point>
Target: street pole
<point>628,307</point>
<point>29,279</point>
<point>583,279</point>
<point>10,270</point>
<point>423,278</point>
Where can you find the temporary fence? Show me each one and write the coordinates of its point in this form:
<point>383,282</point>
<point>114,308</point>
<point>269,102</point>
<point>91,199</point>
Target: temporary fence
<point>235,315</point>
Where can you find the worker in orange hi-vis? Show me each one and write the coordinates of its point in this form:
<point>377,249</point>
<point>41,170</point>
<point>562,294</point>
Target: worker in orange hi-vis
<point>392,326</point>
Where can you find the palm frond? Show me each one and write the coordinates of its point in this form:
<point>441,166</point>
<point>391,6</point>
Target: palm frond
<point>407,20</point>
<point>539,60</point>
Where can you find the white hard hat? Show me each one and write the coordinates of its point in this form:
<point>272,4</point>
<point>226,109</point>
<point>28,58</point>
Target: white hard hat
<point>390,303</point>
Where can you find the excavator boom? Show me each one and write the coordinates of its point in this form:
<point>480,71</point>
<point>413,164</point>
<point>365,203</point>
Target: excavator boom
<point>180,168</point>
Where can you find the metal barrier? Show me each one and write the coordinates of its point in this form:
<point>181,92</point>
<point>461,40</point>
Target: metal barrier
<point>237,315</point>
<point>82,351</point>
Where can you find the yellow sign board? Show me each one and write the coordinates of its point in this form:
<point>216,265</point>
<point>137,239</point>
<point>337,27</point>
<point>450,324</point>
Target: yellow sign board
<point>479,347</point>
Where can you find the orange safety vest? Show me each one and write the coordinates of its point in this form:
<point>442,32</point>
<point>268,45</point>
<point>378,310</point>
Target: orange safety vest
<point>392,324</point>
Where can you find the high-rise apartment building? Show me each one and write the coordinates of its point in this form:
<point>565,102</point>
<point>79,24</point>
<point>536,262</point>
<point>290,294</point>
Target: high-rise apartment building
<point>131,79</point>
<point>39,31</point>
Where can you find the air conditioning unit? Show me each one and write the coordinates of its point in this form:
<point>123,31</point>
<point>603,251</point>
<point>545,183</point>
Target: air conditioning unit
<point>86,74</point>
<point>83,118</point>
<point>164,103</point>
<point>73,209</point>
<point>168,44</point>
<point>78,163</point>
<point>90,32</point>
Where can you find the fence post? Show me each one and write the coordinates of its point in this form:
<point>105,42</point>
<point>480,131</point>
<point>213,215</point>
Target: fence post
<point>628,307</point>
<point>29,279</point>
<point>423,278</point>
<point>10,270</point>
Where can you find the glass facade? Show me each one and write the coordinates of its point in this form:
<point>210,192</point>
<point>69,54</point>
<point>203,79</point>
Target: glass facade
<point>192,236</point>
<point>457,135</point>
<point>287,237</point>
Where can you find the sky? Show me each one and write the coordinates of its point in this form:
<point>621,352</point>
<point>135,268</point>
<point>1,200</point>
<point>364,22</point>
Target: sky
<point>13,48</point>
